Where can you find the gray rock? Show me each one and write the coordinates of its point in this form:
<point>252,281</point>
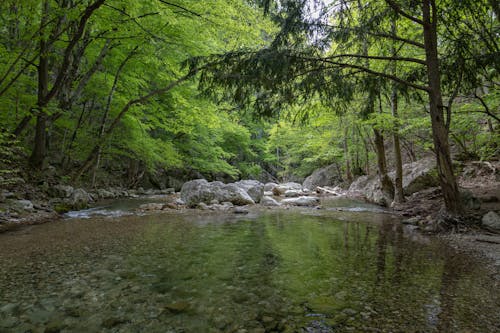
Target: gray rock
<point>268,201</point>
<point>290,186</point>
<point>61,191</point>
<point>196,191</point>
<point>268,187</point>
<point>293,193</point>
<point>254,188</point>
<point>202,206</point>
<point>240,210</point>
<point>491,220</point>
<point>326,176</point>
<point>301,201</point>
<point>80,199</point>
<point>105,194</point>
<point>417,176</point>
<point>23,205</point>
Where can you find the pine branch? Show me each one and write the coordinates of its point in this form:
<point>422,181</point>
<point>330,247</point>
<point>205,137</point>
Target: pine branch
<point>415,60</point>
<point>401,12</point>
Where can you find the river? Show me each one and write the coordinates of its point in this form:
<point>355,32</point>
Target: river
<point>347,268</point>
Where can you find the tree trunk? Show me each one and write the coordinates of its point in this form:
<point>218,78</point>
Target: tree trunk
<point>446,176</point>
<point>37,158</point>
<point>398,181</point>
<point>385,181</point>
<point>348,173</point>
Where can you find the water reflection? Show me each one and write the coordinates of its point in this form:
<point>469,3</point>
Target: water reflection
<point>268,272</point>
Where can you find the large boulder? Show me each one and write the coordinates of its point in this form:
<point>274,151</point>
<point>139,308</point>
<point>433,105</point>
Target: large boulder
<point>301,201</point>
<point>254,188</point>
<point>417,176</point>
<point>326,176</point>
<point>281,189</point>
<point>200,190</point>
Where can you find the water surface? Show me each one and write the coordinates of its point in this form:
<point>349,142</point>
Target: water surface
<point>270,271</point>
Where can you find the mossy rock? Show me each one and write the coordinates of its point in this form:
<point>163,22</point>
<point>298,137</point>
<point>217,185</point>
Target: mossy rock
<point>62,208</point>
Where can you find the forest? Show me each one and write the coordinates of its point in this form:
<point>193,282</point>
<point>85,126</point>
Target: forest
<point>116,92</point>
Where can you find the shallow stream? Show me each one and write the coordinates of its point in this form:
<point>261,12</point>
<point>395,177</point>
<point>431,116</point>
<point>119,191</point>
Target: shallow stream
<point>347,268</point>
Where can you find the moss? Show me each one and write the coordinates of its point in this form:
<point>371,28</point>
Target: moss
<point>62,208</point>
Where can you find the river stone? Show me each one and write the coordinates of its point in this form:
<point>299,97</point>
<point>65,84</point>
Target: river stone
<point>491,220</point>
<point>105,194</point>
<point>301,201</point>
<point>254,188</point>
<point>326,176</point>
<point>200,190</point>
<point>268,201</point>
<point>268,187</point>
<point>293,193</point>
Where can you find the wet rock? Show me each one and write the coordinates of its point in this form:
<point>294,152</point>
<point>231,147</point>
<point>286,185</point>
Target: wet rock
<point>269,202</point>
<point>254,188</point>
<point>301,201</point>
<point>326,176</point>
<point>491,220</point>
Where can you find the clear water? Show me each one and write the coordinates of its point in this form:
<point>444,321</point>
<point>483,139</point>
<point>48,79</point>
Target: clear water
<point>269,271</point>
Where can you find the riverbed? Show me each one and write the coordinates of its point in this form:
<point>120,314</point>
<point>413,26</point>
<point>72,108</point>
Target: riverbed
<point>346,268</point>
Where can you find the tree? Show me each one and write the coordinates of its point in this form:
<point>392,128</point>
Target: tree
<point>315,57</point>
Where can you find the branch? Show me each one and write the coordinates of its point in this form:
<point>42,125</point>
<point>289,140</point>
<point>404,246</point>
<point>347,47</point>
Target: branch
<point>67,53</point>
<point>486,108</point>
<point>401,12</point>
<point>372,72</point>
<point>415,60</point>
<point>401,39</point>
<point>180,7</point>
